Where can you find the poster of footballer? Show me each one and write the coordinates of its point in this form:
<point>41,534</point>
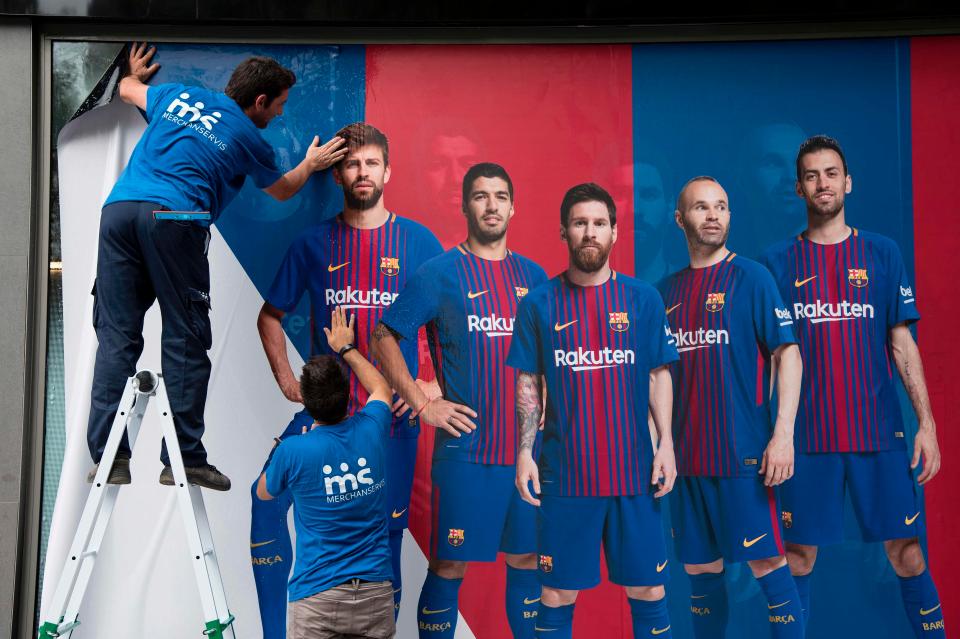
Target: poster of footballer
<point>594,340</point>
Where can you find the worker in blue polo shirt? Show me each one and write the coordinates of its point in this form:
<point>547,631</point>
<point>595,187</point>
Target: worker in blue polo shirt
<point>335,472</point>
<point>190,162</point>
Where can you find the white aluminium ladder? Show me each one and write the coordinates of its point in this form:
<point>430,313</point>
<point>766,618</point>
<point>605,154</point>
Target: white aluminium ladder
<point>62,617</point>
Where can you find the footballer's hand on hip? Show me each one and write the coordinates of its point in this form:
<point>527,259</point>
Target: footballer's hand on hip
<point>449,416</point>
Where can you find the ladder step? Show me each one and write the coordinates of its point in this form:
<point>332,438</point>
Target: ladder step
<point>100,503</point>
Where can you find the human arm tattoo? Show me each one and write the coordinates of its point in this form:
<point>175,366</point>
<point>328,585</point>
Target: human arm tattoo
<point>382,330</point>
<point>907,358</point>
<point>529,408</point>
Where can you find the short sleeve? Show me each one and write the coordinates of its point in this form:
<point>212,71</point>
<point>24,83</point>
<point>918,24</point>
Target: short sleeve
<point>290,282</point>
<point>262,164</point>
<point>524,354</point>
<point>902,307</point>
<point>415,306</point>
<point>772,321</point>
<point>537,275</point>
<point>379,412</point>
<point>429,246</point>
<point>661,347</point>
<point>278,470</point>
<point>159,96</point>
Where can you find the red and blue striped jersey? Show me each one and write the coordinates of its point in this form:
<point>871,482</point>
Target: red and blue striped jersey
<point>361,270</point>
<point>595,346</point>
<point>726,320</point>
<point>845,298</point>
<point>468,305</point>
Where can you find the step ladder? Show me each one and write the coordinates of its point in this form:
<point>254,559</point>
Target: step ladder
<point>75,578</point>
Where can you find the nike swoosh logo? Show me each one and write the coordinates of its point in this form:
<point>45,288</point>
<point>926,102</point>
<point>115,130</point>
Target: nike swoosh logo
<point>545,629</point>
<point>426,611</point>
<point>398,515</point>
<point>778,605</point>
<point>471,295</point>
<point>673,308</point>
<point>559,327</point>
<point>699,596</point>
<point>747,544</point>
<point>660,566</point>
<point>799,283</point>
<point>654,631</point>
<point>924,613</point>
<point>331,268</point>
<point>909,520</point>
<point>527,602</point>
<point>262,543</point>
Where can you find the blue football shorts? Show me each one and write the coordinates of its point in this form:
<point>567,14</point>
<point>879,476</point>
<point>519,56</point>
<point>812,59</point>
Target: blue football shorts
<point>478,512</point>
<point>571,530</point>
<point>882,490</point>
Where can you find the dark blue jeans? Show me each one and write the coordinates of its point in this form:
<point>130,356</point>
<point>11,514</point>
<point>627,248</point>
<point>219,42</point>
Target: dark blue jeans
<point>141,260</point>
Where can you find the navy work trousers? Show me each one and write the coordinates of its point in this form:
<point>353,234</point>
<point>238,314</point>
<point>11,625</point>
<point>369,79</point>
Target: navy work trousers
<point>141,259</point>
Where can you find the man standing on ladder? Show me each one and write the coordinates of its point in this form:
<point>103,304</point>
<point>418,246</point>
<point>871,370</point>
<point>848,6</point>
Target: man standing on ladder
<point>190,162</point>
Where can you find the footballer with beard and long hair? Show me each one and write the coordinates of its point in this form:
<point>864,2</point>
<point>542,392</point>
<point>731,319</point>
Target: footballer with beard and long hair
<point>600,342</point>
<point>467,299</point>
<point>853,305</point>
<point>731,328</point>
<point>359,261</point>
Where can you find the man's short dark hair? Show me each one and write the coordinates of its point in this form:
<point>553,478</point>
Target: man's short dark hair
<point>325,388</point>
<point>699,178</point>
<point>258,76</point>
<point>819,143</point>
<point>360,134</point>
<point>587,192</point>
<point>484,170</point>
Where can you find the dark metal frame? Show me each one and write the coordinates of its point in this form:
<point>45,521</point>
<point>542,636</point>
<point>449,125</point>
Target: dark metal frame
<point>571,28</point>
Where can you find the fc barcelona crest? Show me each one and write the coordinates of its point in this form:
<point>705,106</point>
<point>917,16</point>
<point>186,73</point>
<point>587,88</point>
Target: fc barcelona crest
<point>715,301</point>
<point>857,277</point>
<point>619,321</point>
<point>546,563</point>
<point>455,538</point>
<point>390,265</point>
<point>521,292</point>
<point>787,519</point>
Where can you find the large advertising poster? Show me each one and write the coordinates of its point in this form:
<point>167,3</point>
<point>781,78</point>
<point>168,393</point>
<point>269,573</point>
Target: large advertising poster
<point>639,120</point>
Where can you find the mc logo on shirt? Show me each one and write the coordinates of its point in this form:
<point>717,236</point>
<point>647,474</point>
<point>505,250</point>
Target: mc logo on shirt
<point>182,114</point>
<point>195,112</point>
<point>347,486</point>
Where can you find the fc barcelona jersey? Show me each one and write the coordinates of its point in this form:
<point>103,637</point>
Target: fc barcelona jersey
<point>361,270</point>
<point>844,299</point>
<point>468,305</point>
<point>596,346</point>
<point>727,319</point>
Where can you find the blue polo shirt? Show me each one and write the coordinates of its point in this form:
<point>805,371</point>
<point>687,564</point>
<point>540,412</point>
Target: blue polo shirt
<point>336,475</point>
<point>195,153</point>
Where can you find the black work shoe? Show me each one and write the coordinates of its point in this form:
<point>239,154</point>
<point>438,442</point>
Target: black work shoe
<point>206,476</point>
<point>119,472</point>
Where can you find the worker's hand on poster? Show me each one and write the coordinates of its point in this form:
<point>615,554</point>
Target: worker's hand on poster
<point>138,61</point>
<point>323,156</point>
